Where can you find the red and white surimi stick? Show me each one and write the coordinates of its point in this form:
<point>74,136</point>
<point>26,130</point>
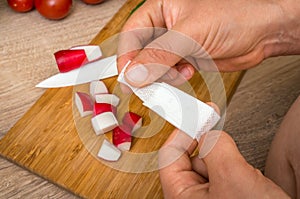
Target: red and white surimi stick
<point>97,87</point>
<point>68,60</point>
<point>108,99</point>
<point>132,120</point>
<point>122,137</point>
<point>104,119</point>
<point>103,107</point>
<point>92,52</point>
<point>76,57</point>
<point>104,122</point>
<point>84,104</point>
<point>109,152</point>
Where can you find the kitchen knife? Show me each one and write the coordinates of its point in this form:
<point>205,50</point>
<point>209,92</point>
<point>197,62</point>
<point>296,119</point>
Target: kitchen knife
<point>100,69</point>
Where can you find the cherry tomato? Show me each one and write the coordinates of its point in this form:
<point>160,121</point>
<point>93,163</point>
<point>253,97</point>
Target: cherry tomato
<point>53,9</point>
<point>92,1</point>
<point>21,5</point>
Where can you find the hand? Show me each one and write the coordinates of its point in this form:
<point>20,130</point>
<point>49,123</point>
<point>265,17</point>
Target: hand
<point>235,34</point>
<point>221,173</point>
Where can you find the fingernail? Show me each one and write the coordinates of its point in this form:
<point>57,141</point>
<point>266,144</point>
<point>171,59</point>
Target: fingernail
<point>185,72</point>
<point>137,74</point>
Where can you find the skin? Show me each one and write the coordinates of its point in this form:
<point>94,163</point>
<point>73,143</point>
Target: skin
<point>217,35</point>
<point>223,173</point>
<point>283,162</point>
<point>236,34</point>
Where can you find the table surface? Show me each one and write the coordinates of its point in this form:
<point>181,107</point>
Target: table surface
<point>26,49</point>
<point>266,91</point>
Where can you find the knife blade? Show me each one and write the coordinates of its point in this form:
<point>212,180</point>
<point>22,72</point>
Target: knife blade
<point>100,69</point>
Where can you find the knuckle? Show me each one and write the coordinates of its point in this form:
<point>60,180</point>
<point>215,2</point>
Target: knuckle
<point>156,55</point>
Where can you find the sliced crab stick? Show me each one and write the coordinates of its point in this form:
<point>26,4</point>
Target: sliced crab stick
<point>122,137</point>
<point>103,107</point>
<point>97,87</point>
<point>76,57</point>
<point>107,98</point>
<point>104,122</point>
<point>132,120</point>
<point>109,152</point>
<point>83,103</point>
<point>104,118</point>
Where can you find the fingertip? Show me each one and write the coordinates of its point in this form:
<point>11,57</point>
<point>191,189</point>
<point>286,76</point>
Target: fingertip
<point>125,89</point>
<point>181,141</point>
<point>217,146</point>
<point>137,74</point>
<point>214,106</point>
<point>123,59</point>
<point>187,71</point>
<point>199,166</point>
<point>224,159</point>
<point>178,75</point>
<point>207,142</point>
<point>177,144</point>
<point>121,62</point>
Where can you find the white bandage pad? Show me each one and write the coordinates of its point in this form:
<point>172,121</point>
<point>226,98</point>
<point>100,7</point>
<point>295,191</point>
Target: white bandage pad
<point>185,112</point>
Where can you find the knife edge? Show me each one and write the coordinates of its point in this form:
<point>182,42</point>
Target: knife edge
<point>100,69</point>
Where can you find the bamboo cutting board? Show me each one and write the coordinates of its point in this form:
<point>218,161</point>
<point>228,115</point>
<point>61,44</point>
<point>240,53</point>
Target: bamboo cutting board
<point>52,140</point>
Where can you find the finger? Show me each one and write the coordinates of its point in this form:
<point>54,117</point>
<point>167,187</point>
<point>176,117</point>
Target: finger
<point>209,139</point>
<point>186,70</point>
<point>139,29</point>
<point>171,75</point>
<point>121,62</point>
<point>223,159</point>
<point>137,32</point>
<point>148,66</point>
<point>175,76</point>
<point>199,166</point>
<point>130,44</point>
<point>198,163</point>
<point>178,74</point>
<point>177,171</point>
<point>214,106</point>
<point>176,174</point>
<point>225,167</point>
<point>158,57</point>
<point>177,145</point>
<point>125,89</point>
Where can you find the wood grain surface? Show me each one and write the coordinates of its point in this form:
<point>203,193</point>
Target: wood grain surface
<point>259,105</point>
<point>53,142</point>
<point>254,114</point>
<point>27,43</point>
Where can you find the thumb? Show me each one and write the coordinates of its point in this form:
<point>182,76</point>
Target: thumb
<point>230,175</point>
<point>155,60</point>
<point>222,158</point>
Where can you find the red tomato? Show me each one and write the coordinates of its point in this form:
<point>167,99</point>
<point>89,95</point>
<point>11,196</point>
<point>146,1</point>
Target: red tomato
<point>53,9</point>
<point>21,5</point>
<point>92,1</point>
